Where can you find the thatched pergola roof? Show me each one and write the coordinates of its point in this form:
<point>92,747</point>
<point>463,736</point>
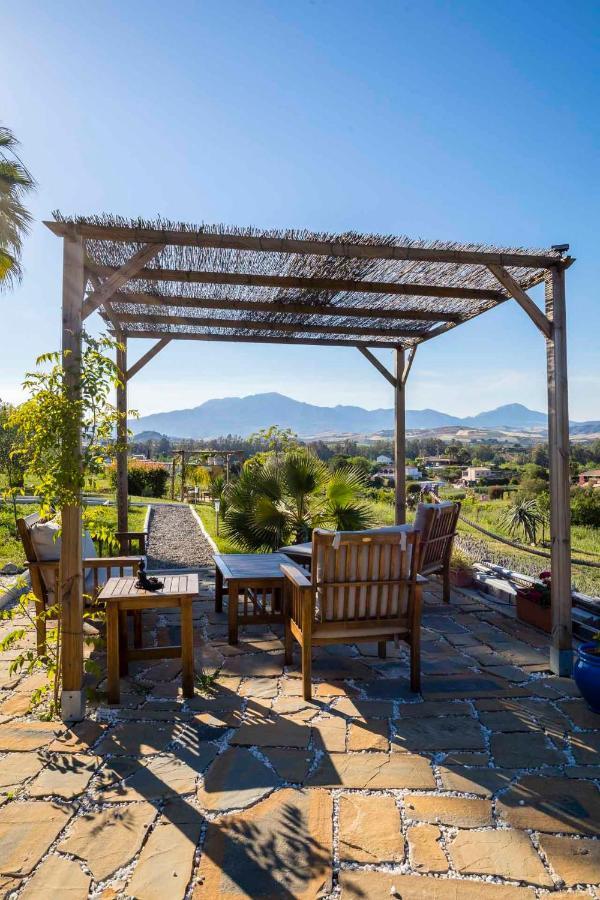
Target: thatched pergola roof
<point>216,282</point>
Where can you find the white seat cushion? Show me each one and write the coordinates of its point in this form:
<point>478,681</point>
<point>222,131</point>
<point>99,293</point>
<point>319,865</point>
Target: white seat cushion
<point>45,537</point>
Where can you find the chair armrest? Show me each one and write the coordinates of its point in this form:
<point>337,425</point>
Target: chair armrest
<point>136,534</point>
<point>422,580</point>
<point>109,562</point>
<point>297,578</point>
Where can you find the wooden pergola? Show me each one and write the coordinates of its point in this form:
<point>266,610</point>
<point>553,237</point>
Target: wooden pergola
<point>171,281</point>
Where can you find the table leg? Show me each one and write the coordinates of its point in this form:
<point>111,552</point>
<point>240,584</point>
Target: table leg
<point>187,647</point>
<point>112,650</point>
<point>123,660</point>
<point>233,591</point>
<point>218,590</point>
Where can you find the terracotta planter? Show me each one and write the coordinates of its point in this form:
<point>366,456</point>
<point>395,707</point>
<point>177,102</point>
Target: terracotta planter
<point>533,614</point>
<point>461,577</point>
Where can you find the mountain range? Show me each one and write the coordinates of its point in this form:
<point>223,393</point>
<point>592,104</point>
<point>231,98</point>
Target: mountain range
<point>246,415</point>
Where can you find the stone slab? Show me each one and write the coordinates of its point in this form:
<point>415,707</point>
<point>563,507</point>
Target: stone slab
<point>453,733</point>
<point>58,877</point>
<point>369,735</point>
<point>458,812</point>
<point>65,776</point>
<point>552,804</point>
<point>376,771</point>
<point>22,737</point>
<point>235,780</point>
<point>482,781</point>
<point>369,830</point>
<point>527,751</point>
<point>279,848</point>
<point>107,840</point>
<point>501,852</point>
<point>26,832</point>
<point>165,865</point>
<point>16,768</point>
<point>574,861</point>
<point>383,886</point>
<point>425,849</point>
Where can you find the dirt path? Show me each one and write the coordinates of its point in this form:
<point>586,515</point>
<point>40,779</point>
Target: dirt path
<point>175,540</point>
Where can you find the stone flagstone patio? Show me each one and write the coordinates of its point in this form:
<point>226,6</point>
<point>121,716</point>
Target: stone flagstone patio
<point>487,786</point>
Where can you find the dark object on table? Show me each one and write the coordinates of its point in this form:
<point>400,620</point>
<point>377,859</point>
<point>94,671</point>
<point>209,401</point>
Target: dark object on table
<point>147,583</point>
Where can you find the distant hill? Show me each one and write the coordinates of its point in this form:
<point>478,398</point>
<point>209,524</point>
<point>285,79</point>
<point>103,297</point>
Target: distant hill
<point>245,415</point>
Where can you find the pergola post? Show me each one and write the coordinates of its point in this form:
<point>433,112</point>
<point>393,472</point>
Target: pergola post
<point>122,483</point>
<point>70,566</point>
<point>561,651</point>
<point>399,438</point>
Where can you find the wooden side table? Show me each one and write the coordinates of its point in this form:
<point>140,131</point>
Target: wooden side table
<point>258,577</point>
<point>121,595</point>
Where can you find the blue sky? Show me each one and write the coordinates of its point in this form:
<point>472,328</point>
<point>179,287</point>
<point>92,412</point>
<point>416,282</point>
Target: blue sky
<point>468,121</point>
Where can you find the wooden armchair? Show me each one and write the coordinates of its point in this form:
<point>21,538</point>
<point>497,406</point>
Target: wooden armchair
<point>437,525</point>
<point>363,587</point>
<point>42,551</point>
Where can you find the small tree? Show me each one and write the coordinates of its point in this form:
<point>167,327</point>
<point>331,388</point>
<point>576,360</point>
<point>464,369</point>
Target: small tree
<point>524,517</point>
<point>12,465</point>
<point>47,425</point>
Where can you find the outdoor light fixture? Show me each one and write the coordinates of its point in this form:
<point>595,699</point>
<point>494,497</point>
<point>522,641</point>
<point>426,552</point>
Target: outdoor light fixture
<point>560,248</point>
<point>217,508</point>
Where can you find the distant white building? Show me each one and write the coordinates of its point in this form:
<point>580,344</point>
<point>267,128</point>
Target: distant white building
<point>384,460</point>
<point>473,474</point>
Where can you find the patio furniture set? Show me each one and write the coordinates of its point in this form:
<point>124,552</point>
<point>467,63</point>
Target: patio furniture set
<point>343,587</point>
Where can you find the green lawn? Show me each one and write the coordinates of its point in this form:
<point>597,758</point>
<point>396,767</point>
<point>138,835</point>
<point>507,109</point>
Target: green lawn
<point>11,549</point>
<point>209,520</point>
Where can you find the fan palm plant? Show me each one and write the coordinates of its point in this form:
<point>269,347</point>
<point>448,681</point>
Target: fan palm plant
<point>523,518</point>
<point>15,218</point>
<point>281,499</point>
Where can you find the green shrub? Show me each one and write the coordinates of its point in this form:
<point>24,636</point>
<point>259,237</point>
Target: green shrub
<point>144,478</point>
<point>585,507</point>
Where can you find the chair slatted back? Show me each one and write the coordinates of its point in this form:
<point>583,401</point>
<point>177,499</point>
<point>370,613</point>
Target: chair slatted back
<point>361,577</point>
<point>24,527</point>
<point>437,535</point>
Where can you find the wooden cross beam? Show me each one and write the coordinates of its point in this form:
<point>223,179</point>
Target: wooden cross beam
<point>524,300</point>
<point>346,250</point>
<point>379,366</point>
<point>118,277</point>
<point>284,307</point>
<point>409,362</point>
<point>267,325</point>
<point>148,355</point>
<point>258,339</point>
<point>335,285</point>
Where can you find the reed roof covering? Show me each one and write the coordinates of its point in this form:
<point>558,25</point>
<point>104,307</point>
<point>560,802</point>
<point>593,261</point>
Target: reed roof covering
<point>219,282</point>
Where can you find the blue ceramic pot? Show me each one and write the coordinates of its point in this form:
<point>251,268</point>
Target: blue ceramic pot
<point>586,673</point>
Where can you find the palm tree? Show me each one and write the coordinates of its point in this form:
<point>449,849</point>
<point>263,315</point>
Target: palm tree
<point>281,499</point>
<point>15,219</point>
<point>523,517</point>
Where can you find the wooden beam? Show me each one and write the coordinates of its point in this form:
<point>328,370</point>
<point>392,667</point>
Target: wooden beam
<point>561,651</point>
<point>70,578</point>
<point>118,277</point>
<point>399,440</point>
<point>148,355</point>
<point>122,454</point>
<point>256,339</point>
<point>524,300</point>
<point>378,365</point>
<point>254,325</point>
<point>346,250</point>
<point>409,362</point>
<point>291,308</point>
<point>334,285</point>
<point>107,305</point>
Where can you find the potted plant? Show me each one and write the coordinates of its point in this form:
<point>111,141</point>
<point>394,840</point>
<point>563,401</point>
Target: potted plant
<point>461,570</point>
<point>534,604</point>
<point>586,672</point>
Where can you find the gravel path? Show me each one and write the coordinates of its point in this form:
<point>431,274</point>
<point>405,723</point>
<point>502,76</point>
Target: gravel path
<point>175,540</point>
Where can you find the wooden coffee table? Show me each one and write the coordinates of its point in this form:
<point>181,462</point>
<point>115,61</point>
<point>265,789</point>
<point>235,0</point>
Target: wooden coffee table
<point>121,595</point>
<point>259,577</point>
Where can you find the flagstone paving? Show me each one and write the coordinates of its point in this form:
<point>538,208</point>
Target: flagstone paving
<point>485,786</point>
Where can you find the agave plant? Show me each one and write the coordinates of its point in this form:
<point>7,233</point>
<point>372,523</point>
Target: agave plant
<point>281,499</point>
<point>524,517</point>
<point>15,219</point>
